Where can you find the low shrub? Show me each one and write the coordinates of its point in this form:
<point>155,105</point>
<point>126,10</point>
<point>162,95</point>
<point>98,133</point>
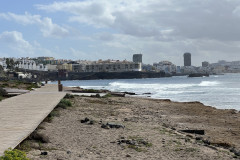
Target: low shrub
<point>2,92</point>
<point>91,91</point>
<point>69,96</point>
<point>32,85</point>
<point>107,95</point>
<point>64,103</point>
<point>14,154</point>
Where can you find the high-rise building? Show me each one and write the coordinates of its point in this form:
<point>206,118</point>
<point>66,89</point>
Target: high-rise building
<point>187,59</point>
<point>137,58</point>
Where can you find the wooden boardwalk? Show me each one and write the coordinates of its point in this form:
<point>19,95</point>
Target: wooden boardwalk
<point>21,115</point>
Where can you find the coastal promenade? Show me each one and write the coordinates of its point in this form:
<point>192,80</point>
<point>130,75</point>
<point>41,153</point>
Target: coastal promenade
<point>21,115</point>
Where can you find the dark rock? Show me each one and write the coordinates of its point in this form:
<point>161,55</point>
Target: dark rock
<point>199,138</point>
<point>235,156</point>
<point>126,119</point>
<point>173,128</point>
<point>130,93</point>
<point>85,120</point>
<point>128,155</point>
<point>221,144</point>
<point>68,152</point>
<point>91,122</point>
<point>44,153</point>
<point>194,131</point>
<point>105,126</point>
<point>113,125</point>
<point>235,151</point>
<point>206,141</point>
<point>118,94</point>
<point>198,75</point>
<point>147,93</point>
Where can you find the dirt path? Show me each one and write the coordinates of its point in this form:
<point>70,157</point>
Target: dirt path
<point>142,129</point>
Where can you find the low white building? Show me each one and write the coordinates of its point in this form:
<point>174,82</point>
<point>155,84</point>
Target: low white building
<point>165,66</point>
<point>24,75</point>
<point>29,64</point>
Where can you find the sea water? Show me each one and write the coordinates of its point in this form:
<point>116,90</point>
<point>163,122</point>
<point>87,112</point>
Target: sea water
<point>220,91</point>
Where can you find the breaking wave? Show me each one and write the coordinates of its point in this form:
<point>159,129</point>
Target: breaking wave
<point>209,83</point>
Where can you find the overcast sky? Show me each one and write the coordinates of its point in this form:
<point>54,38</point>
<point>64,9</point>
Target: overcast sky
<point>117,29</point>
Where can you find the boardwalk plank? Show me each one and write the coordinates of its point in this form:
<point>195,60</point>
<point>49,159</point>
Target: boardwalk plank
<point>21,115</point>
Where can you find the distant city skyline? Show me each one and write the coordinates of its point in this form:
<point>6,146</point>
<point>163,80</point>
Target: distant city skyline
<point>92,30</point>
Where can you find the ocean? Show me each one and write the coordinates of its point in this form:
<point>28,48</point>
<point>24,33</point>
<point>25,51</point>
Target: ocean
<point>220,91</point>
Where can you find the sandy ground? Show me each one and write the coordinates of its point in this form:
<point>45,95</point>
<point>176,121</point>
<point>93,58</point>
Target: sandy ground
<point>149,129</point>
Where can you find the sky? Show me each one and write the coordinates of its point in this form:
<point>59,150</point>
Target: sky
<point>106,29</point>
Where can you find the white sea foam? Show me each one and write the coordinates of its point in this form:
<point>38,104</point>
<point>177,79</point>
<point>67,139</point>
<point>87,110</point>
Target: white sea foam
<point>148,86</point>
<point>208,83</point>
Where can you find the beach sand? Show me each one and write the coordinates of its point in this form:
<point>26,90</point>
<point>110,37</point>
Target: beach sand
<point>148,129</point>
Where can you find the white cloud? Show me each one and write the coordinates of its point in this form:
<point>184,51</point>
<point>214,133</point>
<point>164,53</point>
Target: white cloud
<point>13,44</point>
<point>47,27</point>
<point>161,30</point>
<point>186,19</point>
<point>15,41</point>
<point>50,29</point>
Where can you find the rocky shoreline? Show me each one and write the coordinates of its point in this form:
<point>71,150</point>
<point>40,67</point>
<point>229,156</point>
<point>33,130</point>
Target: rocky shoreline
<point>137,128</point>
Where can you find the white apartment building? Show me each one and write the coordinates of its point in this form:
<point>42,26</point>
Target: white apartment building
<point>31,65</point>
<point>113,66</point>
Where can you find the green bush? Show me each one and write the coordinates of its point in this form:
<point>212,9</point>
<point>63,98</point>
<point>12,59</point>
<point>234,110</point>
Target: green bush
<point>107,95</point>
<point>2,92</point>
<point>32,85</point>
<point>69,96</point>
<point>90,90</point>
<point>14,154</point>
<point>64,103</point>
